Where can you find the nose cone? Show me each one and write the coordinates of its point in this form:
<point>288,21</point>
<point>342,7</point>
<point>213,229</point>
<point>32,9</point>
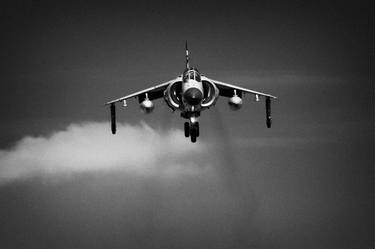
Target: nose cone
<point>193,96</point>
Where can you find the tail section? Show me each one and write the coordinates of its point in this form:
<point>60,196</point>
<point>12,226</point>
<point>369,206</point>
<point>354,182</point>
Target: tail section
<point>187,55</point>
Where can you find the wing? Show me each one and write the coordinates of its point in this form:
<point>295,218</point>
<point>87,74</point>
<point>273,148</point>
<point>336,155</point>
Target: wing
<point>154,92</point>
<point>227,90</point>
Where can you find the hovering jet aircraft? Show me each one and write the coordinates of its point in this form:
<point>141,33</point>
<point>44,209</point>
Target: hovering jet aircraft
<point>191,93</point>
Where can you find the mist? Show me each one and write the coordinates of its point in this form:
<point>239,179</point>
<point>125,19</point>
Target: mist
<point>142,188</point>
<point>82,187</point>
<point>89,147</point>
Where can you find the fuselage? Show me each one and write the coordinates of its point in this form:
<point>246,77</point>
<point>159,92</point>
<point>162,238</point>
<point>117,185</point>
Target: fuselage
<point>192,90</point>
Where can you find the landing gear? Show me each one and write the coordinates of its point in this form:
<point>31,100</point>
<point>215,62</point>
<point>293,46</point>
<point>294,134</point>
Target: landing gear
<point>193,138</point>
<point>191,127</point>
<point>113,118</point>
<point>187,129</point>
<point>268,112</point>
<point>192,131</point>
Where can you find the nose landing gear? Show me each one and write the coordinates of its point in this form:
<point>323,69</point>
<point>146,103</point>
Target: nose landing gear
<point>192,130</point>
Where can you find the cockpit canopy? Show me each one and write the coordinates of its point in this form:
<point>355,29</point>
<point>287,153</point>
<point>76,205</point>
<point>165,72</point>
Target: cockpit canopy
<point>191,73</point>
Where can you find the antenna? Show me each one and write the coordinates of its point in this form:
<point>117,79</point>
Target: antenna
<point>187,55</point>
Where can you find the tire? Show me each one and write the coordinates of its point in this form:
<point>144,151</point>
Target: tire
<point>193,133</point>
<point>187,129</point>
<point>193,138</point>
<point>197,129</point>
<point>269,122</point>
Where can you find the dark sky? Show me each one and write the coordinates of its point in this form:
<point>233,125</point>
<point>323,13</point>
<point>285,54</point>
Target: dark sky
<point>66,182</point>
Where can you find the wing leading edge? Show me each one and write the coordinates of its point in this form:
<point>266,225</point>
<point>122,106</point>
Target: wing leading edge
<point>226,90</point>
<point>154,92</point>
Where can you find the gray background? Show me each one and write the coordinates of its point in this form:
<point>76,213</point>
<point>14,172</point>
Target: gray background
<point>305,183</point>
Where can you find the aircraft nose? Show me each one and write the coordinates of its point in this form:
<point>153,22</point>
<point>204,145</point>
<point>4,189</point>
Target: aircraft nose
<point>193,96</point>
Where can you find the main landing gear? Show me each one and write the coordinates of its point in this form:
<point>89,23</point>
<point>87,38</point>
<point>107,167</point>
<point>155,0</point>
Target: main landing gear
<point>192,130</point>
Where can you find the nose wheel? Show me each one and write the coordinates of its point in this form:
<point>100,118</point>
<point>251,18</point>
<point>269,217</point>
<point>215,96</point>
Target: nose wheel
<point>192,130</point>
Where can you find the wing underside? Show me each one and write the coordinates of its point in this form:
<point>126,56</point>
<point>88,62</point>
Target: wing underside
<point>151,93</point>
<point>227,90</point>
<point>154,92</point>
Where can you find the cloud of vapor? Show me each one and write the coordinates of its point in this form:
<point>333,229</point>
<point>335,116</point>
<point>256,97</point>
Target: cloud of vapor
<point>151,188</point>
<point>142,188</point>
<point>89,147</point>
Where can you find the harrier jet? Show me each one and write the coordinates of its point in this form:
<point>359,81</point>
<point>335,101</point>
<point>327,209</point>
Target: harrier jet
<point>191,93</point>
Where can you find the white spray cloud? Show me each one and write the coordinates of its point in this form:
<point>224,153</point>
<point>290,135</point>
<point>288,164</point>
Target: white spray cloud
<point>89,147</point>
<point>146,188</point>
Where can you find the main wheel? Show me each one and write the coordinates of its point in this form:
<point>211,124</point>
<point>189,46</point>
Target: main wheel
<point>187,129</point>
<point>197,128</point>
<point>193,138</point>
<point>193,133</point>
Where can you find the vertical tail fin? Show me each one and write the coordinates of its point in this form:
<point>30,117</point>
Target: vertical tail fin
<point>187,55</point>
